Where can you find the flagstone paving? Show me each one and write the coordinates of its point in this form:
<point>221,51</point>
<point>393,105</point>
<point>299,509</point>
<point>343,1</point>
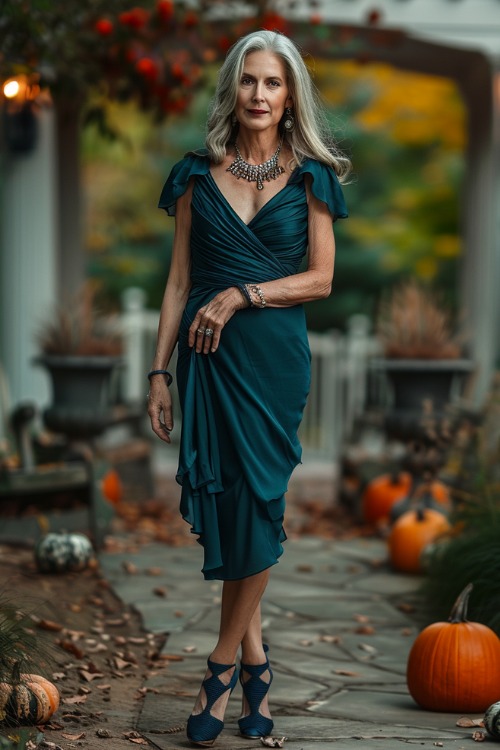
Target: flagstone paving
<point>339,624</point>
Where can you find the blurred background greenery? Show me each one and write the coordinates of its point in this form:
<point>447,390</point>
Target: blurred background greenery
<point>405,133</point>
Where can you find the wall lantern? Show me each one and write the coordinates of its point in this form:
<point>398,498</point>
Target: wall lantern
<point>19,118</point>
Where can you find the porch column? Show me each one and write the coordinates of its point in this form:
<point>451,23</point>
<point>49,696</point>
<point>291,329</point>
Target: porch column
<point>481,211</point>
<point>28,271</point>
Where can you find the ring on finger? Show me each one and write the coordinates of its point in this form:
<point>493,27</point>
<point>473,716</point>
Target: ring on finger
<point>209,331</point>
<point>201,330</point>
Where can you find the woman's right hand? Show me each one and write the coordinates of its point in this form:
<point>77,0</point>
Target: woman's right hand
<point>160,408</point>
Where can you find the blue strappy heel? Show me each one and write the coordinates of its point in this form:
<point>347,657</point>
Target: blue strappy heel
<point>255,689</point>
<point>203,728</point>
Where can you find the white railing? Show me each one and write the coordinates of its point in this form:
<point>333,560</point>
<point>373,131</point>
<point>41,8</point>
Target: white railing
<point>338,374</point>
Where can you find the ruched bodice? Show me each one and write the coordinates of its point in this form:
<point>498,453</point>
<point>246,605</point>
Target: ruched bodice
<point>242,405</point>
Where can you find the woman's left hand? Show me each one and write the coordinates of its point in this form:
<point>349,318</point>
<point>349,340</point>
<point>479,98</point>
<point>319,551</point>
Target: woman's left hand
<point>213,317</point>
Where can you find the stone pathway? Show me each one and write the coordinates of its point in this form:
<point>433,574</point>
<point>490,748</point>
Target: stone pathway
<point>339,624</point>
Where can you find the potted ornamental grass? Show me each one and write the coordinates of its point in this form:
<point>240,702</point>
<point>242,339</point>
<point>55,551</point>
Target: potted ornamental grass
<point>81,348</point>
<point>423,355</point>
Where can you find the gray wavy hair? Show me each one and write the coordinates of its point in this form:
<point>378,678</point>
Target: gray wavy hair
<point>311,136</point>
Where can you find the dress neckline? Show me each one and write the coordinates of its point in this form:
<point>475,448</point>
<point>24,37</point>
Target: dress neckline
<point>265,205</point>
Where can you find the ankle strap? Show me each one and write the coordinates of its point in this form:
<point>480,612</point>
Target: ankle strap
<point>218,669</point>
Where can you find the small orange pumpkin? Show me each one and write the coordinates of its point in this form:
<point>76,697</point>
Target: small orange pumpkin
<point>112,487</point>
<point>32,700</point>
<point>381,493</point>
<point>410,534</point>
<point>454,666</point>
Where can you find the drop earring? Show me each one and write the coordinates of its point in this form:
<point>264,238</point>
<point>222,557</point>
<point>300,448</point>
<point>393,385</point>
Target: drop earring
<point>289,121</point>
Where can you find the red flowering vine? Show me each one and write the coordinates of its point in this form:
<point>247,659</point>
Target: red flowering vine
<point>153,51</point>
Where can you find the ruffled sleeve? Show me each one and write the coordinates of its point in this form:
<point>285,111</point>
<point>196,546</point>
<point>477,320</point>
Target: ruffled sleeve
<point>325,186</point>
<point>194,163</point>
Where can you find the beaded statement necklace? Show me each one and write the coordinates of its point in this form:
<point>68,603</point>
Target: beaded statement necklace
<point>269,170</point>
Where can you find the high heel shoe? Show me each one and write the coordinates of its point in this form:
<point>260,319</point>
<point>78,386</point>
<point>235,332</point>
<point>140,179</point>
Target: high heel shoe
<point>255,689</point>
<point>203,728</point>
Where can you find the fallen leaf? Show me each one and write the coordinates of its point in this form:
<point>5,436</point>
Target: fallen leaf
<point>129,656</point>
<point>438,744</point>
<point>73,736</point>
<point>465,721</point>
<point>121,663</point>
<point>49,625</point>
<point>75,700</point>
<point>115,623</point>
<point>272,741</point>
<point>478,736</point>
<point>97,649</point>
<point>175,657</point>
<point>154,571</point>
<point>71,648</point>
<point>82,690</point>
<point>136,641</point>
<point>178,613</point>
<point>330,638</point>
<point>305,642</point>
<point>365,630</point>
<point>189,649</point>
<point>304,568</point>
<point>407,631</point>
<point>143,690</point>
<point>367,647</point>
<point>59,676</point>
<point>160,591</point>
<point>361,618</point>
<point>345,673</point>
<point>139,741</point>
<point>89,676</point>
<point>407,608</point>
<point>103,687</point>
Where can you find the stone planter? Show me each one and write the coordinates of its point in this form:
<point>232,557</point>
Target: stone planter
<point>419,389</point>
<point>81,393</point>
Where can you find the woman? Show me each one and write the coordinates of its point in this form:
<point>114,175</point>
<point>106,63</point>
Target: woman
<point>247,208</point>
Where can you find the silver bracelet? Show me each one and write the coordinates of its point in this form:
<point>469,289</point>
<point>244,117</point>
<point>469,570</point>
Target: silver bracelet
<point>260,294</point>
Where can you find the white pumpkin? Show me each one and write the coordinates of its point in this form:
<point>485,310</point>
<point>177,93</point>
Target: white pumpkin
<point>57,552</point>
<point>492,720</point>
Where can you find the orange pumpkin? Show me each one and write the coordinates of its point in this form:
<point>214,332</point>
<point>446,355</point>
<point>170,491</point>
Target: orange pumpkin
<point>440,492</point>
<point>381,493</point>
<point>33,700</point>
<point>455,665</point>
<point>112,488</point>
<point>410,534</point>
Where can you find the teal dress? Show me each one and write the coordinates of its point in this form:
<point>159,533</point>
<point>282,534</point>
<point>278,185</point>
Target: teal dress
<point>242,405</point>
